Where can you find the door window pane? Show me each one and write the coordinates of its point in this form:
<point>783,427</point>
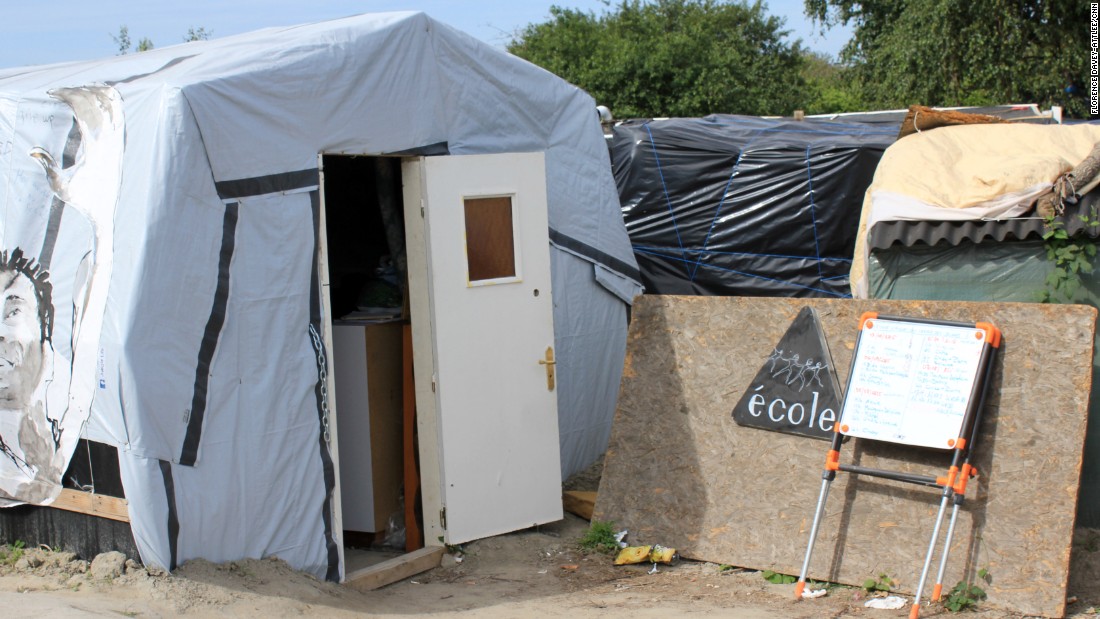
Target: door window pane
<point>490,246</point>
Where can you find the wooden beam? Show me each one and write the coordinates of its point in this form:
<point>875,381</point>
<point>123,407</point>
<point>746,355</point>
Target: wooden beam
<point>414,537</point>
<point>579,502</point>
<point>398,568</point>
<point>93,504</point>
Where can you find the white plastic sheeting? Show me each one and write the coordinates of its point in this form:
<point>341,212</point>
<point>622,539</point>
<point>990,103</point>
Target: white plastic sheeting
<point>205,371</point>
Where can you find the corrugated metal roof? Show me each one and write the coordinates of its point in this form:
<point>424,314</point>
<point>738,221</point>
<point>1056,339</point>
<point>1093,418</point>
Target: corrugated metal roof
<point>909,233</point>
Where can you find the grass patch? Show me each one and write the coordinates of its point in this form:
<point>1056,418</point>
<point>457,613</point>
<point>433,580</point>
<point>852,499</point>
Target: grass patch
<point>778,579</point>
<point>882,583</point>
<point>10,553</point>
<point>600,537</point>
<point>965,596</point>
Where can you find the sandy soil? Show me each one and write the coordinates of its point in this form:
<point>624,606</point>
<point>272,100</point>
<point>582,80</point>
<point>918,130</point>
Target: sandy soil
<point>540,572</point>
<point>535,573</point>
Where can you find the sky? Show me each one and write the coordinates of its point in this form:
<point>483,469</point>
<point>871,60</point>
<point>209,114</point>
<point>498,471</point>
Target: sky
<point>47,31</point>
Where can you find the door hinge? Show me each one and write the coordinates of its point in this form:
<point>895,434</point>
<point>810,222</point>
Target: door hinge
<point>422,209</point>
<point>443,518</point>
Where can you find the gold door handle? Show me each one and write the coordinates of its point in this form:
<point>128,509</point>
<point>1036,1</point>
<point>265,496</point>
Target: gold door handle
<point>549,363</point>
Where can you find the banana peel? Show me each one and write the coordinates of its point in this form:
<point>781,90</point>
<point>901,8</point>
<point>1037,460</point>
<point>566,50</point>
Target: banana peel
<point>641,554</point>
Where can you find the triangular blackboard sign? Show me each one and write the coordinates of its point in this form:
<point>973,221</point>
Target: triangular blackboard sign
<point>796,390</point>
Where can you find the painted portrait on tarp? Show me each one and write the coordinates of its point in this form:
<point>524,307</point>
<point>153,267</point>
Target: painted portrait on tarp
<point>60,169</point>
<point>28,437</point>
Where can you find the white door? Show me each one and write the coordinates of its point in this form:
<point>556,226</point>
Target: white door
<point>483,338</point>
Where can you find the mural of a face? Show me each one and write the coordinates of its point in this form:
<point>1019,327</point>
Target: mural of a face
<point>59,222</point>
<point>21,344</point>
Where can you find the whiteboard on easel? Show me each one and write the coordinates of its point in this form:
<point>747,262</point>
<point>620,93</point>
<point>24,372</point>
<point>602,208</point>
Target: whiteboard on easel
<point>911,382</point>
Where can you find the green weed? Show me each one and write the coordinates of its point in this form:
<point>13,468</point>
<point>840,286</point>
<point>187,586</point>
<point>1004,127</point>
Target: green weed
<point>453,549</point>
<point>11,553</point>
<point>966,596</point>
<point>882,583</point>
<point>600,537</point>
<point>778,579</point>
<point>1070,256</point>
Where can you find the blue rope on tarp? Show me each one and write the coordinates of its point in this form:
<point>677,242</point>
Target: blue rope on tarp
<point>813,211</point>
<point>752,275</point>
<point>668,199</point>
<point>858,129</point>
<point>692,266</point>
<point>712,252</point>
<point>718,211</point>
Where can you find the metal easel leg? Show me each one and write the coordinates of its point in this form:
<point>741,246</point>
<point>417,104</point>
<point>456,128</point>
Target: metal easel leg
<point>938,588</point>
<point>818,512</point>
<point>915,611</point>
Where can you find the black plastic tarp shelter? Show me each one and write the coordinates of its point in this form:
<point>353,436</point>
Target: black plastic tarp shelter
<point>745,206</point>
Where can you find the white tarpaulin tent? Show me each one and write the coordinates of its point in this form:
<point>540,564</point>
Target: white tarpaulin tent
<point>160,243</point>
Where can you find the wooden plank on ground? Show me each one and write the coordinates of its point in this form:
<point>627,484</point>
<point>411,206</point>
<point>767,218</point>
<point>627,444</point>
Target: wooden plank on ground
<point>398,568</point>
<point>745,496</point>
<point>579,502</point>
<point>100,505</point>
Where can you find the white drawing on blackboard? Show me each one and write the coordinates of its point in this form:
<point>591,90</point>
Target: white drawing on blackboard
<point>809,374</point>
<point>801,375</point>
<point>776,355</point>
<point>805,372</point>
<point>792,363</point>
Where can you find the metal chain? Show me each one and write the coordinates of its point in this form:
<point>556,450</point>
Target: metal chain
<point>323,376</point>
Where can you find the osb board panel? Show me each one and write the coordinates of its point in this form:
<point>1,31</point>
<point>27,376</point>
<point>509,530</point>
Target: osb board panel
<point>680,472</point>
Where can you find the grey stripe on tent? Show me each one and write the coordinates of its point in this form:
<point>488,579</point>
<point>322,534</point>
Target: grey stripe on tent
<point>57,207</point>
<point>305,179</point>
<point>595,255</point>
<point>173,516</point>
<point>210,338</point>
<point>171,63</point>
<point>428,150</point>
<point>272,183</point>
<point>333,572</point>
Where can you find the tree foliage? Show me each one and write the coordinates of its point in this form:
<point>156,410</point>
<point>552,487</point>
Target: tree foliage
<point>829,88</point>
<point>196,34</point>
<point>125,45</point>
<point>957,52</point>
<point>672,57</point>
<point>122,40</point>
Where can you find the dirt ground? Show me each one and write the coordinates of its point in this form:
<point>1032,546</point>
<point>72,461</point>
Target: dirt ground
<point>534,573</point>
<point>540,572</point>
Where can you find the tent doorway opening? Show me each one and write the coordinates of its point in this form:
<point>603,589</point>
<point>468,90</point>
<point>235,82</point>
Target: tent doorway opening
<point>470,448</point>
<point>362,261</point>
